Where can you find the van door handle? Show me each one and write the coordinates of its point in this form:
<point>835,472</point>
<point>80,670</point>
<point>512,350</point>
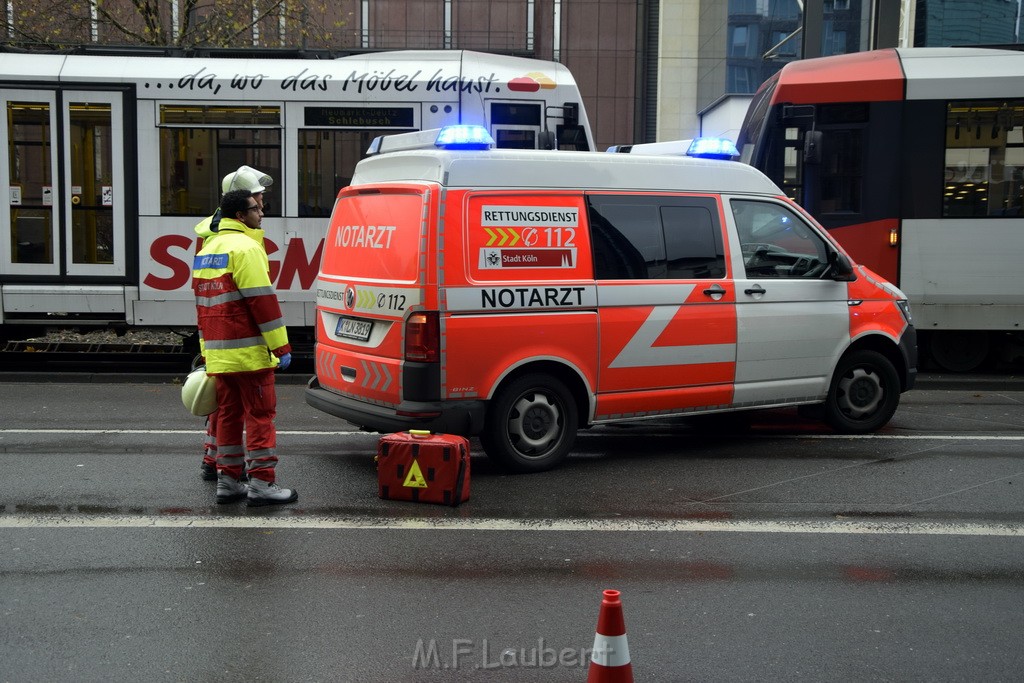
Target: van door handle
<point>715,289</point>
<point>756,289</point>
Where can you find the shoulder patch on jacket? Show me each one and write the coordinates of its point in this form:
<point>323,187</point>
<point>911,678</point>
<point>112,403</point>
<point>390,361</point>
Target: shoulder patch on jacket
<point>210,261</point>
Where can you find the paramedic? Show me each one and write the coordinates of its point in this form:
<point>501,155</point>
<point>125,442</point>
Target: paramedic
<point>257,182</point>
<point>243,338</point>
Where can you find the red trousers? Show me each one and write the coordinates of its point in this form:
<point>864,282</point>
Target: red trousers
<point>210,440</point>
<point>247,403</point>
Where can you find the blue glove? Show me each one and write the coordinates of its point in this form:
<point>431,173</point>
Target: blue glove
<point>286,360</point>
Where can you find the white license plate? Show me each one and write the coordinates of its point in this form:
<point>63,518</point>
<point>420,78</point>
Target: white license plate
<point>355,329</point>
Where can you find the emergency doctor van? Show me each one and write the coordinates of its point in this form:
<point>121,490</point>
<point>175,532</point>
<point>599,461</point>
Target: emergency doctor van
<point>521,295</point>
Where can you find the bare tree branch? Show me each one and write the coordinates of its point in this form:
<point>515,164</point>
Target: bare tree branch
<point>53,24</point>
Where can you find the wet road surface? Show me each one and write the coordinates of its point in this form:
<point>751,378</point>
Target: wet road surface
<point>778,552</point>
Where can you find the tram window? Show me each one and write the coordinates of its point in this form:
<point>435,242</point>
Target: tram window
<point>201,144</point>
<point>518,114</point>
<point>327,159</point>
<point>792,176</point>
<point>31,177</point>
<point>984,173</point>
<point>515,139</point>
<point>842,174</point>
<point>572,138</point>
<point>92,217</point>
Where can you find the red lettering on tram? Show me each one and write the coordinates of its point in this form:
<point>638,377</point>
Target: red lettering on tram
<point>181,268</point>
<point>295,263</point>
<point>282,272</point>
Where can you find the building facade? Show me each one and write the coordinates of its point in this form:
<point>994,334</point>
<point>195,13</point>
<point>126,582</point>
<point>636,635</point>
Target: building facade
<point>648,69</point>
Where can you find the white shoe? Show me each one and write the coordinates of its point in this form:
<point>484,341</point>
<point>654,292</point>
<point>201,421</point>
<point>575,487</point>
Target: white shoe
<point>263,493</point>
<point>229,490</point>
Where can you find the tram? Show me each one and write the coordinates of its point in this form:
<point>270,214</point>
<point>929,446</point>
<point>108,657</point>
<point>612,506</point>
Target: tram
<point>112,160</point>
<point>914,159</point>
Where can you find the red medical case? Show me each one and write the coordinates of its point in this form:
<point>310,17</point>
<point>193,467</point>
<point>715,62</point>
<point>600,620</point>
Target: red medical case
<point>423,467</point>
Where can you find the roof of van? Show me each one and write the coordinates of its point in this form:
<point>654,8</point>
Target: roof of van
<point>563,170</point>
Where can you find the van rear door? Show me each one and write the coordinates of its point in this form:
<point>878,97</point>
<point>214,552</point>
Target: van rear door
<point>372,278</point>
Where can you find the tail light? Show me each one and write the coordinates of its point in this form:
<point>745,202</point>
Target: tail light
<point>423,337</point>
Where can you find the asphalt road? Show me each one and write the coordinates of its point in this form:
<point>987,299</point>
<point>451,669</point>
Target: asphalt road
<point>782,552</point>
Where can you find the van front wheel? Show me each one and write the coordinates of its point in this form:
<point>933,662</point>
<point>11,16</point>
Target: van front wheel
<point>531,424</point>
<point>864,393</point>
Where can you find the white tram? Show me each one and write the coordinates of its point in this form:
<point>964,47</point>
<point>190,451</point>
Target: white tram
<point>113,160</point>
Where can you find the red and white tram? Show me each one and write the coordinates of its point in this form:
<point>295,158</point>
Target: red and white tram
<point>113,160</point>
<point>914,159</point>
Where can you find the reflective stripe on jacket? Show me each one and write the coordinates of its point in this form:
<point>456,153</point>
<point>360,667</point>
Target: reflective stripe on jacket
<point>240,319</point>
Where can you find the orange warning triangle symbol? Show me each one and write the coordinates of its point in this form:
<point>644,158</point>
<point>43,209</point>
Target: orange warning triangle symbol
<point>414,479</point>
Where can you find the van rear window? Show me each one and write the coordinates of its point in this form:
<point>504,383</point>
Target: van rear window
<point>375,237</point>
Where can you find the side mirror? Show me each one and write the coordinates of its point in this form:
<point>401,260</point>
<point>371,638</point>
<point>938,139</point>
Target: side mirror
<point>812,147</point>
<point>841,270</point>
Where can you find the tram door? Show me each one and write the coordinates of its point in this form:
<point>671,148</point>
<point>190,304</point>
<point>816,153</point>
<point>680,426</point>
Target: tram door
<point>64,180</point>
<point>94,192</point>
<point>28,167</point>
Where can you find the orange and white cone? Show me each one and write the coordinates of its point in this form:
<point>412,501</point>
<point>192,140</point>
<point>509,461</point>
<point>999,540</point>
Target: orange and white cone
<point>609,661</point>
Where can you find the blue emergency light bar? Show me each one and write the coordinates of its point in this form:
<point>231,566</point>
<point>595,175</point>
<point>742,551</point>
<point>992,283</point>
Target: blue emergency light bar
<point>449,137</point>
<point>712,148</point>
<point>464,137</point>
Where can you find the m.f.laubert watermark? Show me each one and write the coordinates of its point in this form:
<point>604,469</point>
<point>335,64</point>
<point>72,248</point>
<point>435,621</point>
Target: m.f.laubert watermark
<point>466,653</point>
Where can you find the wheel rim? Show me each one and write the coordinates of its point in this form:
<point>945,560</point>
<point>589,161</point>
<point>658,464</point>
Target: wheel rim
<point>860,393</point>
<point>534,423</point>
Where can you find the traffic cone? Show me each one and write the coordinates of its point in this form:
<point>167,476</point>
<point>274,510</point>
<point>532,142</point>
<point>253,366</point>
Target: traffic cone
<point>609,661</point>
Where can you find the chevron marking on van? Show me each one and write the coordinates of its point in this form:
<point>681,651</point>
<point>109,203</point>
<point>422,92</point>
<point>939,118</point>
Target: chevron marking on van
<point>373,373</point>
<point>641,352</point>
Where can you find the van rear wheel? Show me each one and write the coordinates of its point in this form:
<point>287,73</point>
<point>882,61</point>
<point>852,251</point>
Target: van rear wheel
<point>531,424</point>
<point>864,393</point>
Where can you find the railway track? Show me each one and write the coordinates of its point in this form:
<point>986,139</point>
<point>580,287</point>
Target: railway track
<point>35,356</point>
<point>113,357</point>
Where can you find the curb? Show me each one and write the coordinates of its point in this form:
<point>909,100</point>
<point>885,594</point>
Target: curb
<point>121,378</point>
<point>925,381</point>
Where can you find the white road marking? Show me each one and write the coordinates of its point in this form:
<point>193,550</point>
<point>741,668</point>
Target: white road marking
<point>880,527</point>
<point>581,435</point>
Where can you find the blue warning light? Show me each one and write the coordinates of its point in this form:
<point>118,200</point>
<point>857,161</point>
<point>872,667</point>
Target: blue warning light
<point>712,148</point>
<point>464,137</point>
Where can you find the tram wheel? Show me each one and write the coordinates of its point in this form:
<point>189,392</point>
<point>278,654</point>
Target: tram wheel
<point>959,350</point>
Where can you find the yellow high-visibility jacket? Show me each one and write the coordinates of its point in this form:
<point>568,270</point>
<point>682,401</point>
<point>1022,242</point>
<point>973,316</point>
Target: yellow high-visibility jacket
<point>241,327</point>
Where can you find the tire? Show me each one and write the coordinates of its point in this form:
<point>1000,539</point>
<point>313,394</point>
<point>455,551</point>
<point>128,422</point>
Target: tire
<point>531,424</point>
<point>864,393</point>
<point>959,350</point>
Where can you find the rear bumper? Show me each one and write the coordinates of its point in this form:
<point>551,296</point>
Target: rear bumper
<point>453,417</point>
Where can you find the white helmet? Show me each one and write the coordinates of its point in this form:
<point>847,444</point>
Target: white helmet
<point>199,392</point>
<point>246,178</point>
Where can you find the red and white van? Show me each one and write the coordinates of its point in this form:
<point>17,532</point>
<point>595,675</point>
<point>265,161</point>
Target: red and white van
<point>520,295</point>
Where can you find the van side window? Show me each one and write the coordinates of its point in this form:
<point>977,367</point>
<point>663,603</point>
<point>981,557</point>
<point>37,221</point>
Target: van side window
<point>655,238</point>
<point>693,243</point>
<point>776,242</point>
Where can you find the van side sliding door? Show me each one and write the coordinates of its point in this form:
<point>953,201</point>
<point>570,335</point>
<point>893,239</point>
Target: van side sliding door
<point>666,308</point>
